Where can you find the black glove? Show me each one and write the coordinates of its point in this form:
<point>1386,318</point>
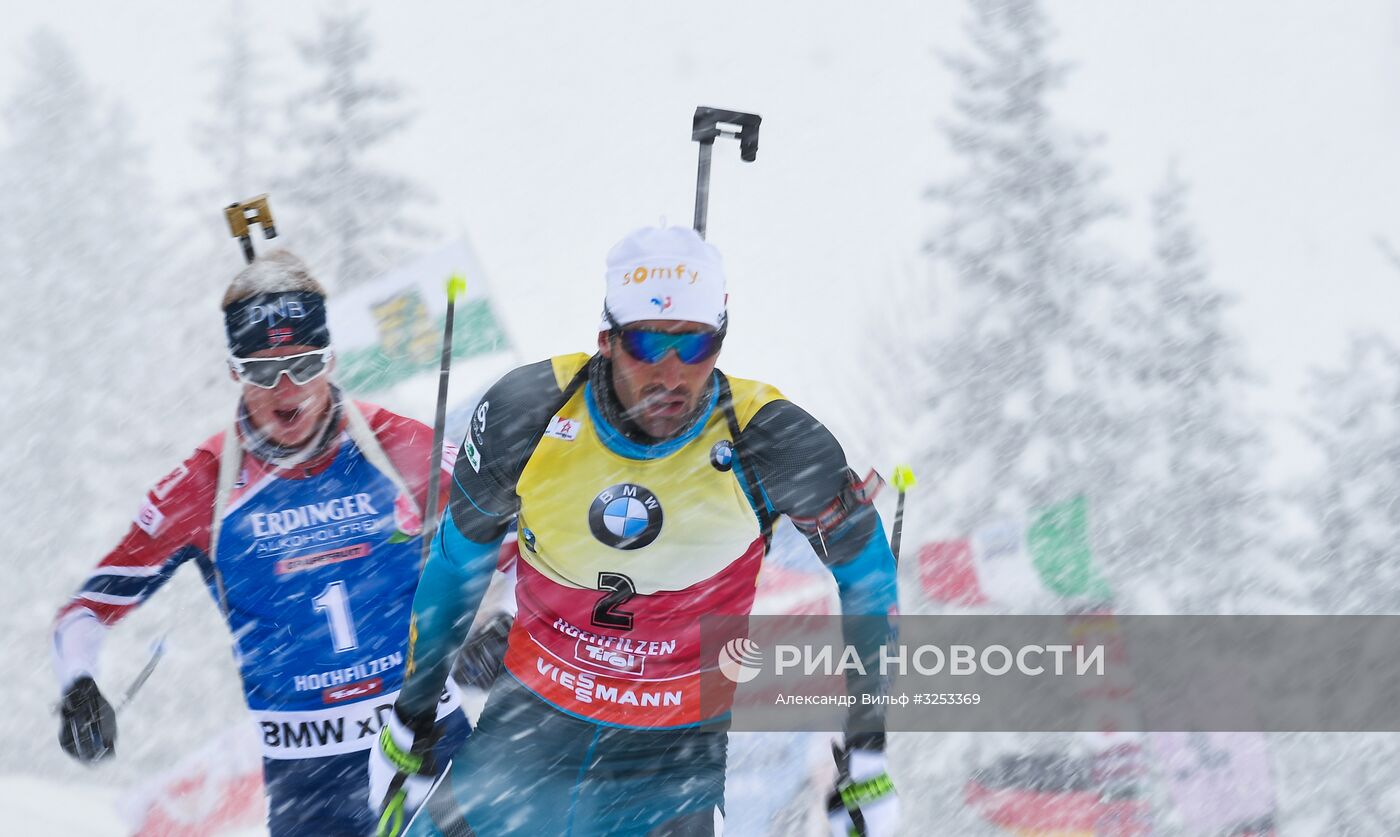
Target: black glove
<point>479,661</point>
<point>89,730</point>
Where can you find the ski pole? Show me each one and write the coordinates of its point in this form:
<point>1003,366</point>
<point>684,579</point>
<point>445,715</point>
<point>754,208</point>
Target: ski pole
<point>251,211</point>
<point>157,651</point>
<point>391,818</point>
<point>456,285</point>
<point>843,779</point>
<point>395,820</point>
<point>903,480</point>
<point>708,125</point>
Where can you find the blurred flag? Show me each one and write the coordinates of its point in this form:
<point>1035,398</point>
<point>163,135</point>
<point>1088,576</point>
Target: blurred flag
<point>1016,563</point>
<point>948,575</point>
<point>1058,541</point>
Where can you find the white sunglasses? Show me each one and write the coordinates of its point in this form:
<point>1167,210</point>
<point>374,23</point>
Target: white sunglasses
<point>264,371</point>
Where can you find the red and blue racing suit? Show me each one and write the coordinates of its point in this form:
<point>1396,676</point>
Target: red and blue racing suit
<point>315,569</point>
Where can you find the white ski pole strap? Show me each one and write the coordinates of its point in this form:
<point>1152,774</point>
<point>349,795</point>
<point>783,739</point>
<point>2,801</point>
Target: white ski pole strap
<point>363,437</point>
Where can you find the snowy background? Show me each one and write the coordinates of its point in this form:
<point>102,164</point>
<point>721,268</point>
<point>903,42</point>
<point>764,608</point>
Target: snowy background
<point>1145,253</point>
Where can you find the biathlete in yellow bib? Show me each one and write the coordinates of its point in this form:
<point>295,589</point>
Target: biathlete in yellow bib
<point>643,483</point>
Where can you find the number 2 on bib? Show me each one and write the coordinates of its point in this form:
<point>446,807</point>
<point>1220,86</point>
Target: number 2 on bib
<point>607,613</point>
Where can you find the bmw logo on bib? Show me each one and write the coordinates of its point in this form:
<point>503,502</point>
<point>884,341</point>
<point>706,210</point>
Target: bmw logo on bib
<point>625,516</point>
<point>722,455</point>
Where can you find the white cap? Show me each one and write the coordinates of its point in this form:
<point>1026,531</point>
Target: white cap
<point>664,273</point>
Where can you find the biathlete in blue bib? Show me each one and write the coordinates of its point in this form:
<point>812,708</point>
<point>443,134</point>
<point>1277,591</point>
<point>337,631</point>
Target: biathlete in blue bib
<point>304,518</point>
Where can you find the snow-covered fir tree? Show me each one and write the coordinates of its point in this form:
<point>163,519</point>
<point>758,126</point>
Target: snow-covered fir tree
<point>1343,783</point>
<point>88,389</point>
<point>88,245</point>
<point>236,136</point>
<point>353,214</point>
<point>1030,409</point>
<point>1197,489</point>
<point>1028,404</point>
<point>885,423</point>
<point>1351,500</point>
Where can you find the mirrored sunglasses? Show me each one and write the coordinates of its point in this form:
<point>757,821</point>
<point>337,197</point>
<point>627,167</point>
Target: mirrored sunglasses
<point>652,346</point>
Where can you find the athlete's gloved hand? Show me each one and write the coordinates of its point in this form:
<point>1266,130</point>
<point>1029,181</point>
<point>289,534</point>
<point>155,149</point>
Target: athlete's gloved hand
<point>89,727</point>
<point>864,801</point>
<point>401,771</point>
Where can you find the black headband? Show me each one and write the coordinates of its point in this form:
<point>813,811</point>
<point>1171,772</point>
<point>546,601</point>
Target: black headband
<point>265,321</point>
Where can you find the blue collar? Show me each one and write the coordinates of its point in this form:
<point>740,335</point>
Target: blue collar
<point>615,441</point>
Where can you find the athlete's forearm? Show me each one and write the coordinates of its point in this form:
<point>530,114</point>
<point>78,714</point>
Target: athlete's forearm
<point>77,645</point>
<point>449,592</point>
<point>866,584</point>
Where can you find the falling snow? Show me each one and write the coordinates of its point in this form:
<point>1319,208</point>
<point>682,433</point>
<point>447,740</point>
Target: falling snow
<point>1123,264</point>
